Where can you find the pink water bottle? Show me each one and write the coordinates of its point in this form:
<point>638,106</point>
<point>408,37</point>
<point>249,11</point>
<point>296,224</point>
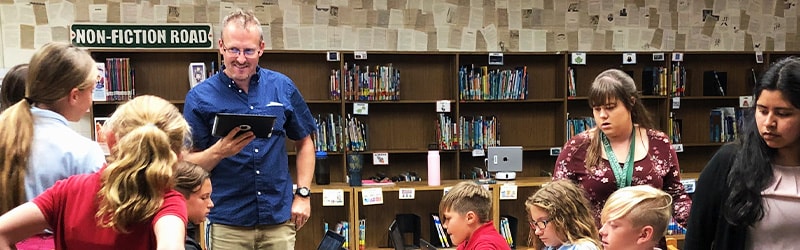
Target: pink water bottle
<point>434,173</point>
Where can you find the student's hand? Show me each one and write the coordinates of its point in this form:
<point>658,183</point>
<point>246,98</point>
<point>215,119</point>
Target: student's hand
<point>232,144</point>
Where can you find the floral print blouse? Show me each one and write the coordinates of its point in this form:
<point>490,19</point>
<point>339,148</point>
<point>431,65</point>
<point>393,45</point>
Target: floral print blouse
<point>658,169</point>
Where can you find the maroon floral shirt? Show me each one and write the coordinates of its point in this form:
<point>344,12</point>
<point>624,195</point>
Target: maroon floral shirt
<point>658,169</point>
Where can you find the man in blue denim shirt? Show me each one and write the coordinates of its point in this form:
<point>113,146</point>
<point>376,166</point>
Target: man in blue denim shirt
<point>255,205</point>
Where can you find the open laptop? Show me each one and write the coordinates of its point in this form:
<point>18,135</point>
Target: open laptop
<point>397,238</point>
<point>425,245</point>
<point>331,241</point>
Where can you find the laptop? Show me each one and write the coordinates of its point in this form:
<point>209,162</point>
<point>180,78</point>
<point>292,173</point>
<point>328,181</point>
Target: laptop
<point>331,241</point>
<point>397,238</point>
<point>425,245</point>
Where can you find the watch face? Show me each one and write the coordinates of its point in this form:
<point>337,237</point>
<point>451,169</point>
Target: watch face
<point>303,191</point>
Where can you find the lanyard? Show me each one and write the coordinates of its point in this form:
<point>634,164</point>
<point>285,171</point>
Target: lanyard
<point>623,180</point>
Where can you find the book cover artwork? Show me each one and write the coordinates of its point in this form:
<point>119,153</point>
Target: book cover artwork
<point>99,92</point>
<point>197,73</point>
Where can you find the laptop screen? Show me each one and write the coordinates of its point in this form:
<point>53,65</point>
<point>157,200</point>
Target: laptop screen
<point>331,241</point>
<point>397,236</point>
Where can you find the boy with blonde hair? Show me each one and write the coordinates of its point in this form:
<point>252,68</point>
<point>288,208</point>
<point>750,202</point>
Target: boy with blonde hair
<point>635,217</point>
<point>466,211</point>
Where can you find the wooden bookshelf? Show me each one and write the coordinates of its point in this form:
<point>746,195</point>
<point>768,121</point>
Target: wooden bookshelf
<point>404,128</point>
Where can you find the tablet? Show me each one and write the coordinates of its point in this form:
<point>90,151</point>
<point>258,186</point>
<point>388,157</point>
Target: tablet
<point>261,125</point>
<point>331,241</point>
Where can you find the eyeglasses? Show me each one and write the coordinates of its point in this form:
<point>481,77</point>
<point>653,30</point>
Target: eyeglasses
<point>249,52</point>
<point>540,224</point>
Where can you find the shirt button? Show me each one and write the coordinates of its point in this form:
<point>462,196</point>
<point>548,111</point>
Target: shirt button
<point>256,150</point>
<point>240,91</point>
<point>259,193</point>
<point>229,85</point>
<point>258,172</point>
<point>251,107</point>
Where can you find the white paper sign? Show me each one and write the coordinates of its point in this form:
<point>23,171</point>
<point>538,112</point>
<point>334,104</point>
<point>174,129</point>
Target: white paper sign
<point>579,58</point>
<point>677,57</point>
<point>678,147</point>
<point>380,158</point>
<point>676,102</point>
<point>332,197</point>
<point>443,106</point>
<point>745,101</point>
<point>508,192</point>
<point>371,196</point>
<point>406,194</point>
<point>478,153</point>
<point>445,190</point>
<point>628,58</point>
<point>360,108</point>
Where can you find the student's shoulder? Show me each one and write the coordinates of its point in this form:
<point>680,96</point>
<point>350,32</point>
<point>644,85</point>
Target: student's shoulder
<point>583,244</point>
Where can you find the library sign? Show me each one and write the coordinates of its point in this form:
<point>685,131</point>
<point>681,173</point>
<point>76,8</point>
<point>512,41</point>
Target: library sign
<point>166,36</point>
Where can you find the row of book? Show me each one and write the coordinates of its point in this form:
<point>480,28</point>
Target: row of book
<point>673,228</point>
<point>663,81</point>
<point>330,133</point>
<point>444,240</point>
<point>115,80</point>
<point>678,79</point>
<point>578,125</point>
<point>675,128</point>
<point>470,132</point>
<point>334,133</point>
<point>724,124</point>
<point>382,83</point>
<point>505,231</point>
<point>481,83</point>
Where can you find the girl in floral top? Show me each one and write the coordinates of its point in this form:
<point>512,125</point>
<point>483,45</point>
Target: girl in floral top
<point>622,150</point>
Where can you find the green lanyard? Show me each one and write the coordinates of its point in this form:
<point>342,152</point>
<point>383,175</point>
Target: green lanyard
<point>623,180</point>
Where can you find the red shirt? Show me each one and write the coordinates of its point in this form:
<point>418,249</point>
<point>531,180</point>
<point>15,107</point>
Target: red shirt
<point>486,237</point>
<point>70,206</point>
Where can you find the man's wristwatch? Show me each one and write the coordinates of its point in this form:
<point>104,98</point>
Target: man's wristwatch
<point>304,192</point>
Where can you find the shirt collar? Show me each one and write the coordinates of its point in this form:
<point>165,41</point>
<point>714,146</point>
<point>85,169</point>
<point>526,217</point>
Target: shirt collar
<point>49,114</point>
<point>253,79</point>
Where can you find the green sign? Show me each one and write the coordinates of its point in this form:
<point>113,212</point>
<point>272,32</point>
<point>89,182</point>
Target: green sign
<point>195,36</point>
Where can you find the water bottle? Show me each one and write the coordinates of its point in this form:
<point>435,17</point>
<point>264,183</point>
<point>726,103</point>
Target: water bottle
<point>354,165</point>
<point>434,173</point>
<point>322,174</point>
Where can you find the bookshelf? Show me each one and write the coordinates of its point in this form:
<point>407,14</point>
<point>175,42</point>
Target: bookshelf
<point>404,128</point>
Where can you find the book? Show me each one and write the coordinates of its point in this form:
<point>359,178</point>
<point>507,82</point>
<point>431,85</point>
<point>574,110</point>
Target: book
<point>715,83</point>
<point>100,86</point>
<point>197,73</point>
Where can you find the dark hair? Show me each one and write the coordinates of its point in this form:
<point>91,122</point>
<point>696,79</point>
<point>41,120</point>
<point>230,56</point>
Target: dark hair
<point>13,89</point>
<point>189,177</point>
<point>614,84</point>
<point>751,172</point>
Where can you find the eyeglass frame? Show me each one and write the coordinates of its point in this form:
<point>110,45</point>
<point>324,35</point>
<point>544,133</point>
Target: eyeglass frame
<point>237,51</point>
<point>535,224</point>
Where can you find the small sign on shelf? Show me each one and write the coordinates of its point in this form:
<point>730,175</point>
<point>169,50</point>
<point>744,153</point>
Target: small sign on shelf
<point>360,108</point>
<point>443,106</point>
<point>380,158</point>
<point>495,58</point>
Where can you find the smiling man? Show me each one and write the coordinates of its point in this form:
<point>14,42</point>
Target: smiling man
<point>255,205</point>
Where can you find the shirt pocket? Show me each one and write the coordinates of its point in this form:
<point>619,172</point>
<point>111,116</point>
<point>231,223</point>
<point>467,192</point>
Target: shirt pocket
<point>279,111</point>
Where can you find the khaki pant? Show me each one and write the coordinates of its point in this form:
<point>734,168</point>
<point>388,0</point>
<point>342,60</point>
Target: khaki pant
<point>279,237</point>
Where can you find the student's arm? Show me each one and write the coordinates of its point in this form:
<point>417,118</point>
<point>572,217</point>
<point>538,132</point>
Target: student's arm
<point>20,223</point>
<point>170,233</point>
<point>707,199</point>
<point>223,148</point>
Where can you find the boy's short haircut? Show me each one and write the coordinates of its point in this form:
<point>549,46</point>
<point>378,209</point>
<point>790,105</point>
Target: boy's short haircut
<point>643,205</point>
<point>468,196</point>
